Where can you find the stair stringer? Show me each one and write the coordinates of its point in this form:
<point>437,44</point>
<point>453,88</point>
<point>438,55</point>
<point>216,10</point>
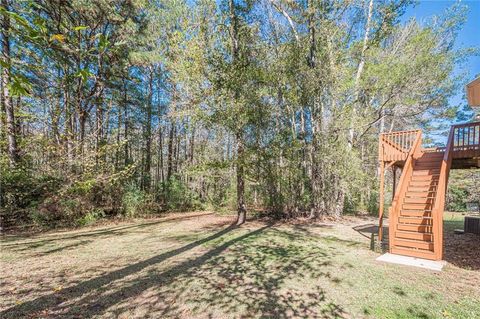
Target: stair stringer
<point>439,204</point>
<point>399,196</point>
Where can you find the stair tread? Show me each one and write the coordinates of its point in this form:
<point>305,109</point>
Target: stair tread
<point>416,217</point>
<point>428,161</point>
<point>422,183</point>
<point>430,200</point>
<point>410,243</point>
<point>428,165</point>
<point>426,254</point>
<point>413,227</point>
<point>425,207</point>
<point>418,200</point>
<point>414,232</point>
<point>414,249</point>
<point>415,240</point>
<point>424,177</point>
<point>418,195</point>
<point>422,172</point>
<point>413,214</point>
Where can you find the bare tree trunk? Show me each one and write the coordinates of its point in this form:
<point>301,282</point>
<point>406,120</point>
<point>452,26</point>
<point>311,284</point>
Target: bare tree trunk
<point>176,153</point>
<point>70,121</point>
<point>148,134</point>
<point>192,145</point>
<point>311,35</point>
<point>361,64</point>
<point>126,131</point>
<point>117,149</point>
<point>160,148</point>
<point>171,138</point>
<point>82,119</point>
<point>6,98</point>
<point>99,129</point>
<point>55,109</point>
<point>241,207</point>
<point>160,174</point>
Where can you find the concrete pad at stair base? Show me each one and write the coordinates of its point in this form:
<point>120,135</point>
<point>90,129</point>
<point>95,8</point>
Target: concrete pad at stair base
<point>435,265</point>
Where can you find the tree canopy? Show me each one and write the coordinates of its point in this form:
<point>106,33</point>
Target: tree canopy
<point>116,107</point>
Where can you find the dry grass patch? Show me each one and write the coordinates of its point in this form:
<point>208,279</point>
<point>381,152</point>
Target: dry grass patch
<point>196,265</point>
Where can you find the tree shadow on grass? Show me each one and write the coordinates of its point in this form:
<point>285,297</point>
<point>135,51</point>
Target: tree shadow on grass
<point>64,247</point>
<point>261,273</point>
<point>104,232</point>
<point>92,285</point>
<point>264,274</point>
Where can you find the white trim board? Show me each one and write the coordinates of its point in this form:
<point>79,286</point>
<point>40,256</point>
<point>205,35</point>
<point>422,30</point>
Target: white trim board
<point>435,265</point>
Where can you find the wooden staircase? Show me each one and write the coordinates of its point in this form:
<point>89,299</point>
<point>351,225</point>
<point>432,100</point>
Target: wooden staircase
<point>416,213</point>
<point>414,233</point>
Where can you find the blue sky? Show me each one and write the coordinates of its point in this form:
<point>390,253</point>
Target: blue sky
<point>468,36</point>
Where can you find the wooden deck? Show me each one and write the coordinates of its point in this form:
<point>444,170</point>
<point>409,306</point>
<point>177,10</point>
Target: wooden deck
<point>416,213</point>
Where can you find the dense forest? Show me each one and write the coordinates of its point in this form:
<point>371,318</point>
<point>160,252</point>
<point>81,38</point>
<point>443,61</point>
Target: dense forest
<point>131,107</point>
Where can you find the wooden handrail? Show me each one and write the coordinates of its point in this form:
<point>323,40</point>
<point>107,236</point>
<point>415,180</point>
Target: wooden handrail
<point>463,143</point>
<point>396,145</point>
<point>466,136</point>
<point>409,163</point>
<point>466,124</point>
<point>414,152</point>
<point>438,206</point>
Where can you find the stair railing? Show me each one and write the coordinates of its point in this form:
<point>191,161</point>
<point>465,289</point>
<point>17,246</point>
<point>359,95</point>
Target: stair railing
<point>396,145</point>
<point>393,212</point>
<point>462,137</point>
<point>466,137</point>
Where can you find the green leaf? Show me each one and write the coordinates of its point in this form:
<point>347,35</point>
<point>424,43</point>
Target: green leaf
<point>40,24</point>
<point>58,37</point>
<point>20,86</point>
<point>84,74</point>
<point>4,64</point>
<point>103,42</point>
<point>15,16</point>
<point>80,28</point>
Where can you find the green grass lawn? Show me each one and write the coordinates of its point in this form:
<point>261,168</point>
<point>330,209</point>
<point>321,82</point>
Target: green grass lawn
<point>196,266</point>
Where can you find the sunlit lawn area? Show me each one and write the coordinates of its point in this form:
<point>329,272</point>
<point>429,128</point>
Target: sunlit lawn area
<point>197,266</point>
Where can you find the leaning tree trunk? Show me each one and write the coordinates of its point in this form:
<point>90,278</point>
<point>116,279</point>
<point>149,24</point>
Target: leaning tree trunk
<point>6,98</point>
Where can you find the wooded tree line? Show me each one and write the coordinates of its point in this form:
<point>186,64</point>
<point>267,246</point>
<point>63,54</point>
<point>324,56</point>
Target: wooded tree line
<point>133,106</point>
<point>463,189</point>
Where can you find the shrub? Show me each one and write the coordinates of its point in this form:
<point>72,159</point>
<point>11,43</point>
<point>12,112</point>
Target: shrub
<point>91,217</point>
<point>134,201</point>
<point>179,197</point>
<point>457,198</point>
<point>21,192</point>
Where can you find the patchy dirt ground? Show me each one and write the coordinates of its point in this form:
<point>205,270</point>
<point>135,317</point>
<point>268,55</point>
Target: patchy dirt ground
<point>195,265</point>
<point>462,250</point>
